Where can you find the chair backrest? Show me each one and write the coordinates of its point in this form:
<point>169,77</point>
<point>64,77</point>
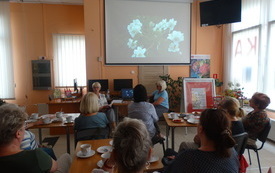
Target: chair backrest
<point>241,140</point>
<point>89,134</point>
<point>264,133</point>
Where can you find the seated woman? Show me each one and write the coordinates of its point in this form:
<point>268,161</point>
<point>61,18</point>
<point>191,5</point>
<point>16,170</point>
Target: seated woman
<point>215,153</point>
<point>90,117</point>
<point>232,106</point>
<point>141,109</point>
<point>160,97</point>
<point>132,148</point>
<point>12,158</point>
<point>256,120</point>
<point>104,106</point>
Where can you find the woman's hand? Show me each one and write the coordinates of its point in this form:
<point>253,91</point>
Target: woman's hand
<point>158,101</point>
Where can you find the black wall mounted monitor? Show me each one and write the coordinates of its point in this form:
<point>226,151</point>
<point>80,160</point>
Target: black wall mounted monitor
<point>122,83</point>
<point>217,12</point>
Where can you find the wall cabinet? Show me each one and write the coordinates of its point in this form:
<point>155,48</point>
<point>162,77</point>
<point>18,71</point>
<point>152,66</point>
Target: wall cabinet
<point>41,75</point>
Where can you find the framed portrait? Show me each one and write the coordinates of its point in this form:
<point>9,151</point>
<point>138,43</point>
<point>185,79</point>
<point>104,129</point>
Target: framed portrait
<point>198,94</point>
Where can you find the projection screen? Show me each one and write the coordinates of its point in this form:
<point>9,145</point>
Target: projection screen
<point>147,32</point>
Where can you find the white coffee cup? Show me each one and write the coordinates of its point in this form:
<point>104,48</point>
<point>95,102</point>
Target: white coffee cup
<point>34,115</point>
<point>85,149</point>
<point>174,115</point>
<point>69,118</point>
<point>105,156</point>
<point>47,120</point>
<point>59,114</point>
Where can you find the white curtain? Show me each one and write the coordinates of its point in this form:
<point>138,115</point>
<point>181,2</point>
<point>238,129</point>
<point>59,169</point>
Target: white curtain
<point>6,62</point>
<point>251,62</point>
<point>69,60</point>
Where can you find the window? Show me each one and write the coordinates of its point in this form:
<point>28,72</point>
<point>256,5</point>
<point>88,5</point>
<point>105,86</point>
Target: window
<point>69,60</point>
<point>252,54</point>
<point>6,63</point>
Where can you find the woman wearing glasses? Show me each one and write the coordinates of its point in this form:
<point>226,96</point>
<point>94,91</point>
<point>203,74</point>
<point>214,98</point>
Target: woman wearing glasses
<point>12,158</point>
<point>160,97</point>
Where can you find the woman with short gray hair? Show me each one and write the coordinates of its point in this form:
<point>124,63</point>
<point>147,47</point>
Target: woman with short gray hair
<point>12,158</point>
<point>132,148</point>
<point>161,100</point>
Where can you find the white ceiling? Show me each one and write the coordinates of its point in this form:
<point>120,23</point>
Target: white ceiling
<point>51,1</point>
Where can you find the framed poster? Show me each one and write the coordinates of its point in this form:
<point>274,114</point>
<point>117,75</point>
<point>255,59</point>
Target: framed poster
<point>200,66</point>
<point>198,93</point>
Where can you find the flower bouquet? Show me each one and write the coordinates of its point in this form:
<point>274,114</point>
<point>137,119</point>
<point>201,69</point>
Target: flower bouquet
<point>234,90</point>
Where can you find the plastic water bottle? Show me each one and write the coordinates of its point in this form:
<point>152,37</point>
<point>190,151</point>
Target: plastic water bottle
<point>108,94</point>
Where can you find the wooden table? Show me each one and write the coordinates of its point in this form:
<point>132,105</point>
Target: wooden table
<point>57,125</point>
<point>172,125</point>
<point>86,165</point>
<point>69,106</point>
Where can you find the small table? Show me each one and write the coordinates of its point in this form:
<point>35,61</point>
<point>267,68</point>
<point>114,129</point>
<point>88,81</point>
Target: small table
<point>57,125</point>
<point>86,165</point>
<point>172,125</point>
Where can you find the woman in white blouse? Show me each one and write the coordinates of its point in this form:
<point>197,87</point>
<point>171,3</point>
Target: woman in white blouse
<point>104,106</point>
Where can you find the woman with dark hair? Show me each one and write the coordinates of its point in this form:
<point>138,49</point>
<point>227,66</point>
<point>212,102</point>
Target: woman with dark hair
<point>143,110</point>
<point>215,153</point>
<point>234,111</point>
<point>256,120</point>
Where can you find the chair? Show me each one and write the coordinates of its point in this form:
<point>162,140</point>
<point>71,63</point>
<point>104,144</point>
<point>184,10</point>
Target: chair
<point>262,137</point>
<point>90,134</point>
<point>241,140</point>
<point>157,138</point>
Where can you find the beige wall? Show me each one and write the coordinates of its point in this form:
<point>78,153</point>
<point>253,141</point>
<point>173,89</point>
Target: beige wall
<point>34,24</point>
<point>32,29</point>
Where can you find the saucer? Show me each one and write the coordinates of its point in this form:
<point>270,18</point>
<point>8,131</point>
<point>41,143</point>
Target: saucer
<point>95,170</point>
<point>104,149</point>
<point>100,163</point>
<point>31,120</point>
<point>192,121</point>
<point>79,154</point>
<point>47,122</point>
<point>57,120</point>
<point>154,159</point>
<point>68,122</point>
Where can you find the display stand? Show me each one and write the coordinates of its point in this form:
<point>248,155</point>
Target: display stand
<point>198,93</point>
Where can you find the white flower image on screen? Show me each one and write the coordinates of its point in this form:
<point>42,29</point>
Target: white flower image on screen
<point>176,37</point>
<point>134,28</point>
<point>139,52</point>
<point>160,34</point>
<point>132,44</point>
